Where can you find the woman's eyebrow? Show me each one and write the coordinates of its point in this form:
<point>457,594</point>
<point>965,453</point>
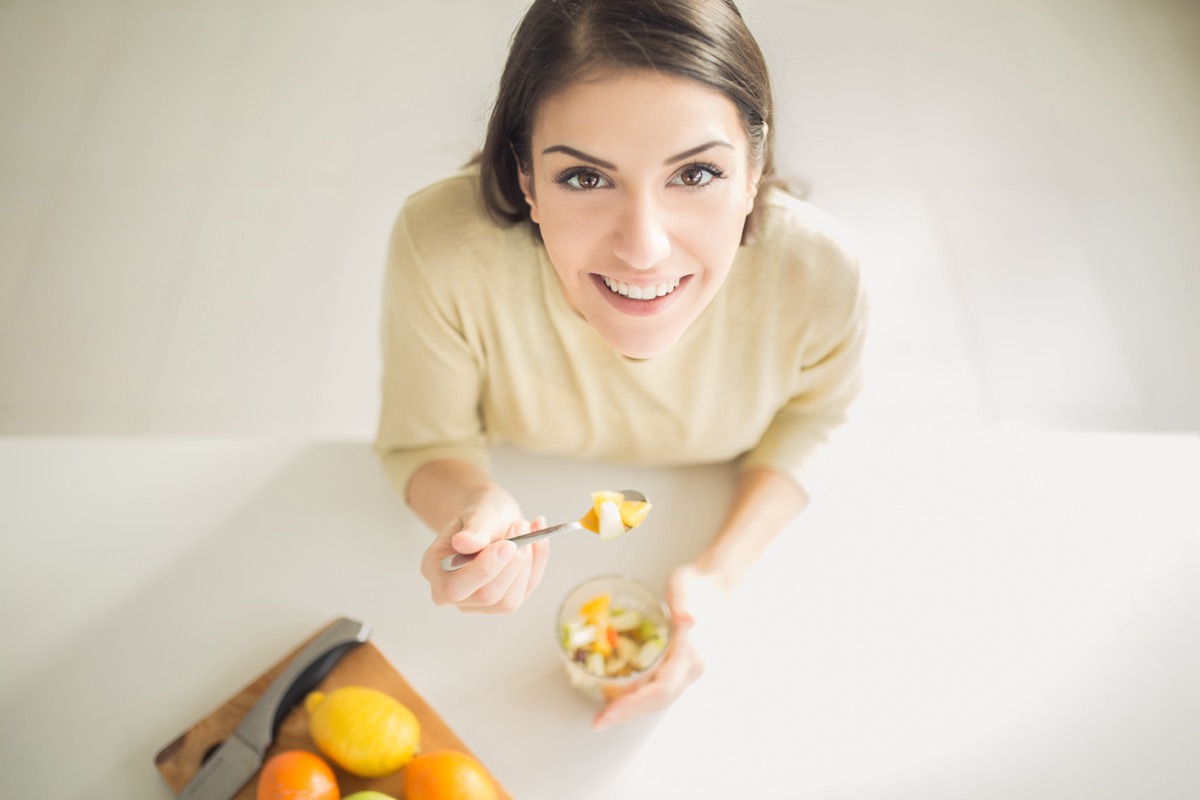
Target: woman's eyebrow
<point>599,162</point>
<point>582,156</point>
<point>693,151</point>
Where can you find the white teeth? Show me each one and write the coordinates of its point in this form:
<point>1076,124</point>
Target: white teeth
<point>641,292</point>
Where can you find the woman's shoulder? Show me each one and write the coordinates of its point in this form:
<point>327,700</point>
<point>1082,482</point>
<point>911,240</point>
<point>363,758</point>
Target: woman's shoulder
<point>444,228</point>
<point>807,255</point>
<point>791,225</point>
<point>447,214</point>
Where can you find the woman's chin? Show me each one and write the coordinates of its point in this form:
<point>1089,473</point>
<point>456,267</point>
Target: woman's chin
<point>641,346</point>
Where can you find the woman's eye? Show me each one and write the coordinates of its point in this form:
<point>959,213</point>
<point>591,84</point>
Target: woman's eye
<point>583,179</point>
<point>696,175</point>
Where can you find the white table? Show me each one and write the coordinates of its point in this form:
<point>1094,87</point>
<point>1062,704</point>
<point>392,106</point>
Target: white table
<point>957,615</point>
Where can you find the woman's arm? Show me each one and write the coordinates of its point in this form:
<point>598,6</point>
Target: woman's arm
<point>764,502</point>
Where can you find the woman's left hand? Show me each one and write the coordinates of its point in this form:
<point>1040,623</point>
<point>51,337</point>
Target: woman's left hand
<point>682,664</point>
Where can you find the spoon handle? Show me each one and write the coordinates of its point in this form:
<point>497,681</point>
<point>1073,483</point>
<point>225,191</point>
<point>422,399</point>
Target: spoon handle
<point>460,560</point>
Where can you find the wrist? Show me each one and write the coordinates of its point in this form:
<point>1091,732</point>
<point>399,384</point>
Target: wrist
<point>718,571</point>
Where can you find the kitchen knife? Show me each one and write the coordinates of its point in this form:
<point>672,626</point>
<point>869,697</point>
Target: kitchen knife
<point>234,763</point>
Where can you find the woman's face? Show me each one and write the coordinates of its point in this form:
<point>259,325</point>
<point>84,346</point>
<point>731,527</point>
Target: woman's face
<point>641,184</point>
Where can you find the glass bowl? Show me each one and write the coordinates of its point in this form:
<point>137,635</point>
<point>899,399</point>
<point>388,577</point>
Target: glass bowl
<point>610,647</point>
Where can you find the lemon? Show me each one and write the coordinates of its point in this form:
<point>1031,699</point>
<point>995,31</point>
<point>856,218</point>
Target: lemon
<point>365,731</point>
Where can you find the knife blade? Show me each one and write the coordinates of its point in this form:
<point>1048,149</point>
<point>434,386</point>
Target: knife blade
<point>240,756</point>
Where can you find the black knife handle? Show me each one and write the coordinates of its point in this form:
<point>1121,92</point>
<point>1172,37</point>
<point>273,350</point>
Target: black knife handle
<point>299,677</point>
<point>308,680</point>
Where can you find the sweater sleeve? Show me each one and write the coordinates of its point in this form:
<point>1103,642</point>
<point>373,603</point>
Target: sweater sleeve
<point>432,379</point>
<point>829,381</point>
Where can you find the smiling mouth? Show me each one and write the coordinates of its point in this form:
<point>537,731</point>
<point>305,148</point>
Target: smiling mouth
<point>651,292</point>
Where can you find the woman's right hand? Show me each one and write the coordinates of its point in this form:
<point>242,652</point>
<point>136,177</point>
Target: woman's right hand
<point>501,576</point>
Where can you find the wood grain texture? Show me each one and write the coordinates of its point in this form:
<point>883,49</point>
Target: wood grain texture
<point>364,665</point>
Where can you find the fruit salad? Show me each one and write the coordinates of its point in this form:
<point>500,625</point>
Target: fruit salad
<point>611,515</point>
<point>613,639</point>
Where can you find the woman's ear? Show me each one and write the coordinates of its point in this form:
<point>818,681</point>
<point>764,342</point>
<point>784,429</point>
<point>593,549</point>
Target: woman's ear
<point>752,190</point>
<point>756,176</point>
<point>526,182</point>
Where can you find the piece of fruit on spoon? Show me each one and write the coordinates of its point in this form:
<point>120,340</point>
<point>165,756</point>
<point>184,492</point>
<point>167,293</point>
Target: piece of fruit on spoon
<point>611,515</point>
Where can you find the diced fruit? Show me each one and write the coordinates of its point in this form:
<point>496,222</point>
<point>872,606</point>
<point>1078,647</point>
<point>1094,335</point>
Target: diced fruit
<point>600,498</point>
<point>608,639</point>
<point>577,634</point>
<point>590,521</point>
<point>630,513</point>
<point>648,652</point>
<point>633,512</point>
<point>595,611</point>
<point>626,648</point>
<point>604,643</point>
<point>611,525</point>
<point>595,664</point>
<point>626,619</point>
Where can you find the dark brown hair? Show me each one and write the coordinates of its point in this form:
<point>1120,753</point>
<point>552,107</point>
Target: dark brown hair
<point>561,41</point>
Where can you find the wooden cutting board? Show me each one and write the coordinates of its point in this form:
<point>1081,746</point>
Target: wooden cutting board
<point>364,665</point>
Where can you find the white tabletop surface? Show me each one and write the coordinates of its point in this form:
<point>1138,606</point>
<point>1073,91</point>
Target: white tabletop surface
<point>957,615</point>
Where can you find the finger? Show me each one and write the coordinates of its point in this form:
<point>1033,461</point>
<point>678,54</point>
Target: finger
<point>677,600</point>
<point>540,556</point>
<point>470,540</point>
<point>506,592</point>
<point>654,696</point>
<point>456,587</point>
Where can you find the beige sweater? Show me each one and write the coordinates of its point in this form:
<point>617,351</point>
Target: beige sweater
<point>480,346</point>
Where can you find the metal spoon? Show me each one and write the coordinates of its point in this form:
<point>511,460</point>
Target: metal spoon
<point>460,560</point>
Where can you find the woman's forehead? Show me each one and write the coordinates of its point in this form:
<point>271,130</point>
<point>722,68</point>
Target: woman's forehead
<point>652,108</point>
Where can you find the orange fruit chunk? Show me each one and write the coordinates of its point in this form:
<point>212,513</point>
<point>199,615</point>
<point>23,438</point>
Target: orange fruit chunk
<point>591,520</point>
<point>448,775</point>
<point>595,611</point>
<point>633,512</point>
<point>297,775</point>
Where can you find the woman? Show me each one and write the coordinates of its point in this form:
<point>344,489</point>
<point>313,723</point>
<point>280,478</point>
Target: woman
<point>618,279</point>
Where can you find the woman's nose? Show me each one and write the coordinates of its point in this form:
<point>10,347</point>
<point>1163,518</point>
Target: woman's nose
<point>641,238</point>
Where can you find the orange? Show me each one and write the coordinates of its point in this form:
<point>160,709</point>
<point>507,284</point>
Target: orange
<point>297,775</point>
<point>448,775</point>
